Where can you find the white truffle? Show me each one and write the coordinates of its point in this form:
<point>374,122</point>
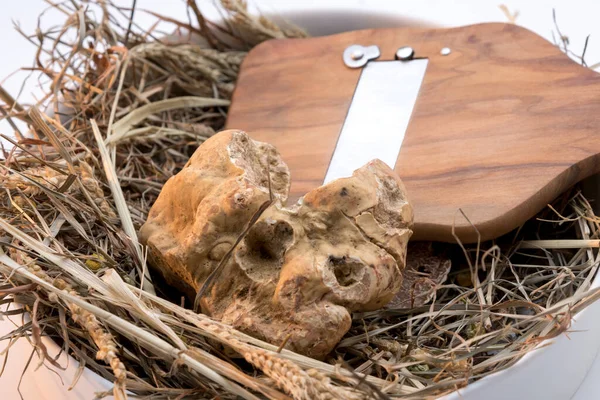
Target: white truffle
<point>299,271</point>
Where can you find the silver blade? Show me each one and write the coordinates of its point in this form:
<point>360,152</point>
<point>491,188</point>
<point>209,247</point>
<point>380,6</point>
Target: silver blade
<point>378,115</point>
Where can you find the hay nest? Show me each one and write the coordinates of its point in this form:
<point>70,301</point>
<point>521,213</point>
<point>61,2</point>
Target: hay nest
<point>124,111</point>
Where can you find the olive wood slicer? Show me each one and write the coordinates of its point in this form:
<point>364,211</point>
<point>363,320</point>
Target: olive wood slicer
<point>490,119</point>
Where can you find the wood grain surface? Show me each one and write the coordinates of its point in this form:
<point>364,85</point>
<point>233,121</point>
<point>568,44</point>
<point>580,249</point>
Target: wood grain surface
<point>502,125</point>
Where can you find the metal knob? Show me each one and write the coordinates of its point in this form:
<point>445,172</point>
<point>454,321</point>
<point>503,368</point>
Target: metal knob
<point>405,53</point>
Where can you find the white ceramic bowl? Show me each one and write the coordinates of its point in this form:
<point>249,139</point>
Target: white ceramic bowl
<point>550,372</point>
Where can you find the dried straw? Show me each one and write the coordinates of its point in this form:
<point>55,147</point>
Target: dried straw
<point>124,113</point>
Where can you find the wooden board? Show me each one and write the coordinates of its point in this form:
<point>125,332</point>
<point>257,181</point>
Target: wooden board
<point>502,125</point>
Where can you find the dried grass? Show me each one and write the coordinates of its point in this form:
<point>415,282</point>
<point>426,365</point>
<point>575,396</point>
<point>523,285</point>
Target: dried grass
<point>125,111</point>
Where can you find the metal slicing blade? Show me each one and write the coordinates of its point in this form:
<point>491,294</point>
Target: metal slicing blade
<point>378,115</point>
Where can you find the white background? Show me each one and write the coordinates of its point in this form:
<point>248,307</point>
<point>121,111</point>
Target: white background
<point>576,19</point>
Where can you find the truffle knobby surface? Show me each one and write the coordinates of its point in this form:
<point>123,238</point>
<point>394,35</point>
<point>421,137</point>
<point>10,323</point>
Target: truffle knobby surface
<point>299,271</point>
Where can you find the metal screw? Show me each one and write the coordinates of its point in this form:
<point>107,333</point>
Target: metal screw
<point>445,51</point>
<point>357,54</point>
<point>405,53</point>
